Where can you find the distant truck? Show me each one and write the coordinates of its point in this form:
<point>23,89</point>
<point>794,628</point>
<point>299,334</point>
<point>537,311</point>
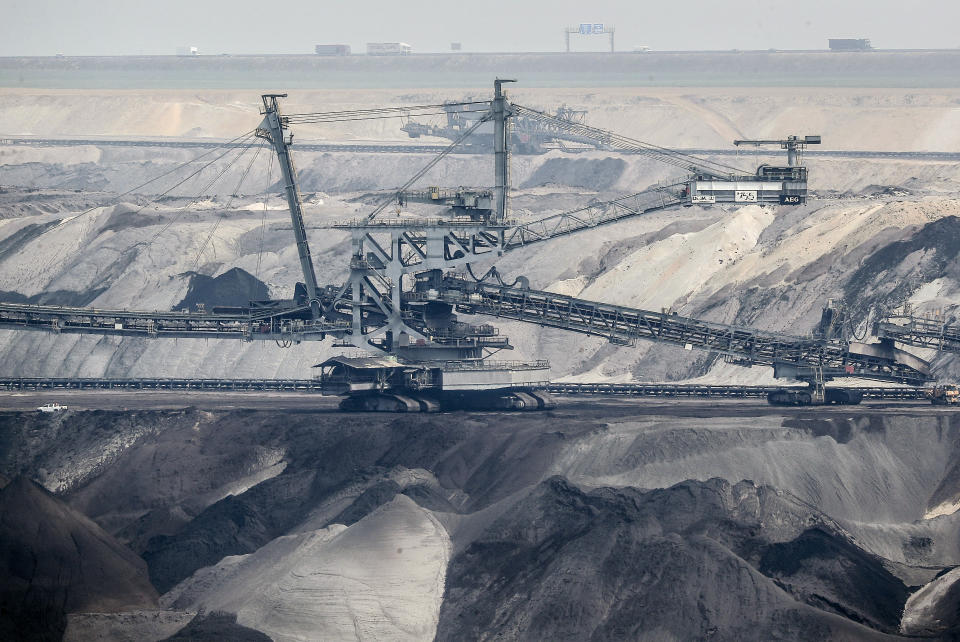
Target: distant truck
<point>388,49</point>
<point>849,44</point>
<point>332,50</point>
<point>946,395</point>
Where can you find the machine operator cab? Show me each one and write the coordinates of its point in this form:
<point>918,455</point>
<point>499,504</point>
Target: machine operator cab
<point>771,184</point>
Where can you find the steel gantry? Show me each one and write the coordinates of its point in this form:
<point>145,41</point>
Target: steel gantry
<point>408,278</point>
<point>920,331</point>
<point>624,326</point>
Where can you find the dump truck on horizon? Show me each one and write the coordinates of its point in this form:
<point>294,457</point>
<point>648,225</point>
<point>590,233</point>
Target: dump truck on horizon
<point>945,395</point>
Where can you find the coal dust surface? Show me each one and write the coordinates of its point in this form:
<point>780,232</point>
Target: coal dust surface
<point>605,520</point>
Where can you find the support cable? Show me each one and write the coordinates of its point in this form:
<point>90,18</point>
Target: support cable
<point>664,154</point>
<point>226,206</point>
<point>426,168</point>
<point>495,273</point>
<point>382,112</point>
<point>398,108</point>
<point>400,115</point>
<point>263,217</point>
<point>239,145</point>
<point>231,144</point>
<point>210,184</point>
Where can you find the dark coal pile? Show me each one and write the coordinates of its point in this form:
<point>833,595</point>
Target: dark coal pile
<point>930,253</point>
<point>558,525</point>
<point>233,288</point>
<point>476,464</point>
<point>216,626</point>
<point>690,562</point>
<point>56,297</point>
<point>54,560</point>
<point>589,173</point>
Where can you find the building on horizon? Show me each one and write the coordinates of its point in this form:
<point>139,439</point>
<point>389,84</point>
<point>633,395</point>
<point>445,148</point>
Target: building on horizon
<point>849,44</point>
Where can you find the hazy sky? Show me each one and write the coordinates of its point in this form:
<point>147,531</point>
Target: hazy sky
<point>115,27</point>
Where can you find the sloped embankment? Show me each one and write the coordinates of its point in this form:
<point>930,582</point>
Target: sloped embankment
<point>591,512</point>
<point>695,561</point>
<point>54,561</point>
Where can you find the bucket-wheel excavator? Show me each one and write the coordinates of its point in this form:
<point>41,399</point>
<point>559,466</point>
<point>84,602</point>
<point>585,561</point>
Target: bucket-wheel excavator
<point>410,276</point>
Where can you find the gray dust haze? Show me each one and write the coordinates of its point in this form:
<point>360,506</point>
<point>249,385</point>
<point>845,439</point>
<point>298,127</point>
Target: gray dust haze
<point>120,27</point>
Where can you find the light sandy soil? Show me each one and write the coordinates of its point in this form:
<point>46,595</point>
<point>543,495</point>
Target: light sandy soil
<point>858,119</point>
<point>921,615</point>
<point>381,578</point>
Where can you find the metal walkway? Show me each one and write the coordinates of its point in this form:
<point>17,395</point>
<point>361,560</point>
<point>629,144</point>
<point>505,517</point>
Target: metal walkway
<point>314,386</point>
<point>921,332</point>
<point>651,200</point>
<point>156,324</point>
<point>744,346</point>
<point>733,392</point>
<point>620,325</point>
<point>71,383</point>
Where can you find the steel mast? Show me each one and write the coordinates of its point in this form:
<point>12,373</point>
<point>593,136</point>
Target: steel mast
<point>501,147</point>
<point>793,144</point>
<point>271,129</point>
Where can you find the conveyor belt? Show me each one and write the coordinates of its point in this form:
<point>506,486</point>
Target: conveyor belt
<point>920,332</point>
<point>624,326</point>
<point>156,324</point>
<point>618,324</point>
<point>314,386</point>
<point>700,390</point>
